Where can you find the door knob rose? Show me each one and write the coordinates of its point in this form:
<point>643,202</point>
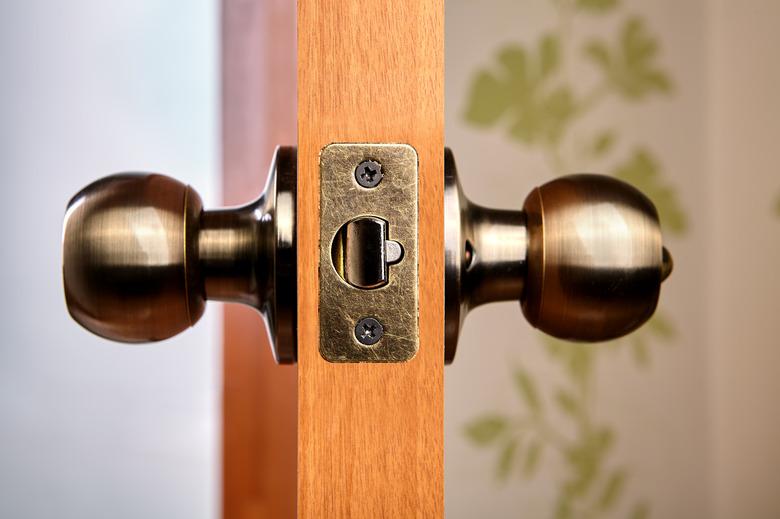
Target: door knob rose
<point>141,256</point>
<point>584,257</point>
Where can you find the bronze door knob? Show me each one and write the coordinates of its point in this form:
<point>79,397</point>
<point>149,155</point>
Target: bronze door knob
<point>141,256</point>
<point>129,266</point>
<point>595,258</point>
<point>584,257</point>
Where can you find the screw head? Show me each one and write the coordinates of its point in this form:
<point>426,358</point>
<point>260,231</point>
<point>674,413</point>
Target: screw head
<point>369,173</point>
<point>369,331</point>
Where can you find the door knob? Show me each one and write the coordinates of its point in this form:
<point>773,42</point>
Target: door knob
<point>584,257</point>
<point>141,256</point>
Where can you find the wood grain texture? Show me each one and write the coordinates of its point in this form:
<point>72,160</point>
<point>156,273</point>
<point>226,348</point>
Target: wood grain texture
<point>370,438</point>
<point>259,397</point>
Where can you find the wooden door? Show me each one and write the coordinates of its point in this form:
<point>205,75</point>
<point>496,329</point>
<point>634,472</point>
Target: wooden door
<point>370,436</point>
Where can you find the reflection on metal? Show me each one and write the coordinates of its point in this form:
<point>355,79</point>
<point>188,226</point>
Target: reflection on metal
<point>362,231</point>
<point>584,257</point>
<point>141,256</point>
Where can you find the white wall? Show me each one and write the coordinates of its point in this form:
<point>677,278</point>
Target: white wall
<point>90,428</point>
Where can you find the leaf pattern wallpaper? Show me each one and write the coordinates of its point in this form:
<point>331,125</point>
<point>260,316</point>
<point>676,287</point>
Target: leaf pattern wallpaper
<point>531,95</point>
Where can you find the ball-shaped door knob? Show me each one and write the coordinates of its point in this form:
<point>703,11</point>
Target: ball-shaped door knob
<point>130,257</point>
<point>141,256</point>
<point>584,257</point>
<point>595,258</point>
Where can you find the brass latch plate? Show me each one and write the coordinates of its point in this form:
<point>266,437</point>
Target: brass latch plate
<point>391,196</point>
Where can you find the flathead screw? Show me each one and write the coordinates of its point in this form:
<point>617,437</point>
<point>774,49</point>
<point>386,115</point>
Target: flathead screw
<point>369,331</point>
<point>369,173</point>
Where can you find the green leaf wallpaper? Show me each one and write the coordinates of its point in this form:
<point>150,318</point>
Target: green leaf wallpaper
<point>527,94</point>
<point>629,66</point>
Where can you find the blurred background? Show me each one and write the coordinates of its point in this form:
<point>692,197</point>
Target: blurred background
<point>677,420</point>
<point>90,428</point>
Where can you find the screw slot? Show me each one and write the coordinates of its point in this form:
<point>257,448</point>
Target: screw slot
<point>369,331</point>
<point>369,173</point>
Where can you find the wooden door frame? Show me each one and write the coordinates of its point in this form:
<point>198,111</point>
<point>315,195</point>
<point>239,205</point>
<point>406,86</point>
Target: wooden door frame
<point>370,436</point>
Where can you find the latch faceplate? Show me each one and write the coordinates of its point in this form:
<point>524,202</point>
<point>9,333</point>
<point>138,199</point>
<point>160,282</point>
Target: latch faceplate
<point>368,307</point>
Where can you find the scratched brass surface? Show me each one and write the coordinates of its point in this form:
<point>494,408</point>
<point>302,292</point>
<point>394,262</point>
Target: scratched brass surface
<point>395,305</point>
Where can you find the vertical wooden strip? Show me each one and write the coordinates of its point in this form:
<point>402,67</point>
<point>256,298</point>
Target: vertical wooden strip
<point>259,399</point>
<point>370,438</point>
